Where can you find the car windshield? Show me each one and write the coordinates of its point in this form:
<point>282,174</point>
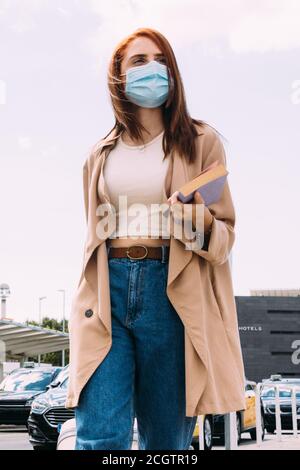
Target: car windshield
<point>60,377</point>
<point>26,380</point>
<point>286,393</point>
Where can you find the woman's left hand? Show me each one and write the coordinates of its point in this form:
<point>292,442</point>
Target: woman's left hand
<point>208,218</point>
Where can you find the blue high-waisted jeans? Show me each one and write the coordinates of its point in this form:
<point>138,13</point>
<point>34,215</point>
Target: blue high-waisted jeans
<point>143,374</point>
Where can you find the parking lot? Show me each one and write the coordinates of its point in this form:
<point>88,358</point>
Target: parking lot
<point>16,438</point>
<point>36,395</point>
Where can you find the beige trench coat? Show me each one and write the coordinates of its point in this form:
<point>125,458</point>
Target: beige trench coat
<point>199,286</point>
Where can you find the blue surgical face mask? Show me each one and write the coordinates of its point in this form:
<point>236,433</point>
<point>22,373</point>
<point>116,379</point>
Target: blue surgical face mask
<point>147,85</point>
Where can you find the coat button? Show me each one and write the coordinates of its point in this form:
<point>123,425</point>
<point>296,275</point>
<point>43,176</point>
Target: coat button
<point>88,313</point>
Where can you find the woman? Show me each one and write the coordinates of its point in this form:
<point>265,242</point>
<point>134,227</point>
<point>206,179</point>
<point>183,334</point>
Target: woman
<point>153,327</point>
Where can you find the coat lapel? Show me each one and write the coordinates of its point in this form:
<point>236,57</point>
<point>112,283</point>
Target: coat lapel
<point>178,257</point>
<point>97,195</point>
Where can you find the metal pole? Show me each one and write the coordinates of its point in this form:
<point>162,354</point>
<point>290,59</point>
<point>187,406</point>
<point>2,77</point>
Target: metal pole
<point>40,321</point>
<point>230,420</point>
<point>4,293</point>
<point>2,359</point>
<point>201,432</point>
<point>277,411</point>
<point>258,415</point>
<point>63,324</point>
<point>3,308</point>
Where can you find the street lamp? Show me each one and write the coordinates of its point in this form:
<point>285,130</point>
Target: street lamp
<point>4,293</point>
<point>63,325</point>
<point>40,320</point>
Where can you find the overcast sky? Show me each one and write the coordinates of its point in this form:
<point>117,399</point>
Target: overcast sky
<point>239,60</point>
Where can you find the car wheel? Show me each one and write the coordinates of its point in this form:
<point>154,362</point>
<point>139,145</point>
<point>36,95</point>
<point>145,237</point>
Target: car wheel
<point>238,428</point>
<point>263,427</point>
<point>253,431</point>
<point>270,429</point>
<point>208,433</point>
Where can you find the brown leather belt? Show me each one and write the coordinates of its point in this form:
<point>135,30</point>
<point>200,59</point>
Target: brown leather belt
<point>139,252</point>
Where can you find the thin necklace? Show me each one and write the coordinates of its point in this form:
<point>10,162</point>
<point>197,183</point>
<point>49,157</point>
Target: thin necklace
<point>142,147</point>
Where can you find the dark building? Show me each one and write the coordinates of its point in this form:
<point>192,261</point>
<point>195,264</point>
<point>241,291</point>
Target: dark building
<point>269,328</point>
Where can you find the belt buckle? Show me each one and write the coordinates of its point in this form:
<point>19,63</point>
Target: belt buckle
<point>138,257</point>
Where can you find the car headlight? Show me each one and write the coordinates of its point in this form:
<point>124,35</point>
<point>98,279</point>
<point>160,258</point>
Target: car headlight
<point>29,402</point>
<point>57,402</point>
<point>39,406</point>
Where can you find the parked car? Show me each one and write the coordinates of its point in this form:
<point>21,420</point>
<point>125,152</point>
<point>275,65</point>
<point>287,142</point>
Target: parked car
<point>47,413</point>
<point>18,390</point>
<point>245,419</point>
<point>60,377</point>
<point>285,400</point>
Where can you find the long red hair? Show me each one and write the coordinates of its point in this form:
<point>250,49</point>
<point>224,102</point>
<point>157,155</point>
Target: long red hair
<point>180,131</point>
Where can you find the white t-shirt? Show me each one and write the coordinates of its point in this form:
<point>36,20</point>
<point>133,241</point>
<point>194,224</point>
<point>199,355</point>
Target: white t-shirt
<point>136,173</point>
